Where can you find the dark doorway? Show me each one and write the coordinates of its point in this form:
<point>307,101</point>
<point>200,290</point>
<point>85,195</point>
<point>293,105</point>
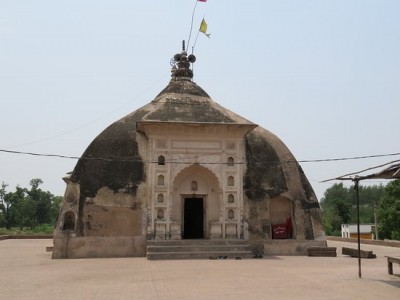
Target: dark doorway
<point>193,218</point>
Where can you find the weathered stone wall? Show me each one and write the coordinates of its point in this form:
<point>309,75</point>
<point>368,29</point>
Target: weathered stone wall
<point>99,246</point>
<point>112,221</point>
<point>290,247</point>
<point>273,175</point>
<point>109,202</point>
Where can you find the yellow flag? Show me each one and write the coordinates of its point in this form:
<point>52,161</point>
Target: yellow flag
<point>203,28</point>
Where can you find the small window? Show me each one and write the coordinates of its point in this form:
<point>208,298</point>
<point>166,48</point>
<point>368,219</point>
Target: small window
<point>231,181</point>
<point>69,221</point>
<point>231,161</point>
<point>160,198</point>
<point>160,214</point>
<point>231,214</point>
<point>193,186</point>
<point>160,180</point>
<point>231,198</point>
<point>161,160</point>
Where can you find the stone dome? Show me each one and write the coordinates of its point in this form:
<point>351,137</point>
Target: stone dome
<point>113,154</point>
<point>270,185</point>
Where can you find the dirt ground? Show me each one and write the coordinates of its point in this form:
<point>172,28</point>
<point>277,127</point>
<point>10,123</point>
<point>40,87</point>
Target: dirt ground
<point>28,272</point>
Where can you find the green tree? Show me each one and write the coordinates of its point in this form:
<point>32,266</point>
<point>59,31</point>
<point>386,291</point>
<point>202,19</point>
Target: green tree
<point>389,212</point>
<point>22,210</point>
<point>369,201</point>
<point>56,202</point>
<point>9,205</point>
<point>336,208</point>
<point>28,207</point>
<point>331,222</point>
<point>339,206</point>
<point>40,201</point>
<point>4,207</point>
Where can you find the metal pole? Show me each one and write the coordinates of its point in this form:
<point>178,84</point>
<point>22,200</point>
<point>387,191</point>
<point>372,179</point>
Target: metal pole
<point>356,184</point>
<point>376,222</point>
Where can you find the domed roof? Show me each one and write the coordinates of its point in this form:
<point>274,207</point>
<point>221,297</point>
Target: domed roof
<point>185,101</point>
<point>113,159</point>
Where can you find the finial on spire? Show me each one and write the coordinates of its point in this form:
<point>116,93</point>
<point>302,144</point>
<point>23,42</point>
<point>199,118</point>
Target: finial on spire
<point>181,65</point>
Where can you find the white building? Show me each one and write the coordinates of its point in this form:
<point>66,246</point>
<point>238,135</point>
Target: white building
<point>367,231</point>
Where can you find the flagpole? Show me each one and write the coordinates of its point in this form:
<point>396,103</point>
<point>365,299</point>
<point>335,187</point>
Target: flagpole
<point>191,23</point>
<point>195,41</point>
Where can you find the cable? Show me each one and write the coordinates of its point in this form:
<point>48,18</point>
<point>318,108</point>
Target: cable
<point>372,168</point>
<point>191,24</point>
<point>211,163</point>
<point>94,120</point>
<point>345,177</point>
<point>349,158</point>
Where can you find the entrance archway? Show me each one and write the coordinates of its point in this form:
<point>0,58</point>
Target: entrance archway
<point>195,201</point>
<point>281,213</point>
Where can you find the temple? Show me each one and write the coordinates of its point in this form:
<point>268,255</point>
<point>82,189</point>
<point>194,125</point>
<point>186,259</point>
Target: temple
<point>183,170</point>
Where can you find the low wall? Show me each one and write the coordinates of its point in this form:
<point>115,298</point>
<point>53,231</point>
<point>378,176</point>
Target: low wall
<point>388,243</point>
<point>290,247</point>
<point>26,236</point>
<point>99,247</point>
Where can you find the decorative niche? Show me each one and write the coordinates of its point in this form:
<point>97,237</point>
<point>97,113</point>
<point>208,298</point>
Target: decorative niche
<point>160,180</point>
<point>193,186</point>
<point>69,221</point>
<point>231,214</point>
<point>160,214</point>
<point>161,160</point>
<point>160,198</point>
<point>231,181</point>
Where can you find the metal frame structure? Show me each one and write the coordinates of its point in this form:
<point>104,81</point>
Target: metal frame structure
<point>391,172</point>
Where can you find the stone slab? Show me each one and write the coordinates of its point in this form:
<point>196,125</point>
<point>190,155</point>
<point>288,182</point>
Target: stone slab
<point>322,251</point>
<point>354,253</point>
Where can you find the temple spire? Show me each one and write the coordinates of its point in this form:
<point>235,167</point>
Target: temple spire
<point>181,65</point>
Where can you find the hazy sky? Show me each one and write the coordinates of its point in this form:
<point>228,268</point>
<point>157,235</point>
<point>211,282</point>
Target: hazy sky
<point>324,76</point>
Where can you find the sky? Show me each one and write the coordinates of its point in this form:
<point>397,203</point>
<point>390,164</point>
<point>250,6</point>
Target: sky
<point>324,76</point>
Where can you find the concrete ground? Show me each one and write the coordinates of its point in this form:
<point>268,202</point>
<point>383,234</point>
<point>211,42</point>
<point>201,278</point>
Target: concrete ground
<point>28,272</point>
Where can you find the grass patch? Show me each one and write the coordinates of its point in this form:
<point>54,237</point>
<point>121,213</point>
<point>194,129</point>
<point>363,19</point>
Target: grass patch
<point>41,229</point>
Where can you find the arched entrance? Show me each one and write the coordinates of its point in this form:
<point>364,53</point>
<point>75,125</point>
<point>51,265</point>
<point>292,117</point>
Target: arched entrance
<point>195,201</point>
<point>281,215</point>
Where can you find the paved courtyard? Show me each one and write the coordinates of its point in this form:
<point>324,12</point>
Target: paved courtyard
<point>28,272</point>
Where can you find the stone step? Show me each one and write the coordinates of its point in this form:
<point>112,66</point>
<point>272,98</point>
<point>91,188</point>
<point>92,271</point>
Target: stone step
<point>195,242</point>
<point>198,249</point>
<point>200,255</point>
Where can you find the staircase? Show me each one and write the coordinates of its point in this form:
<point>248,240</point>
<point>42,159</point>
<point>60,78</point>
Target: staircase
<point>198,249</point>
